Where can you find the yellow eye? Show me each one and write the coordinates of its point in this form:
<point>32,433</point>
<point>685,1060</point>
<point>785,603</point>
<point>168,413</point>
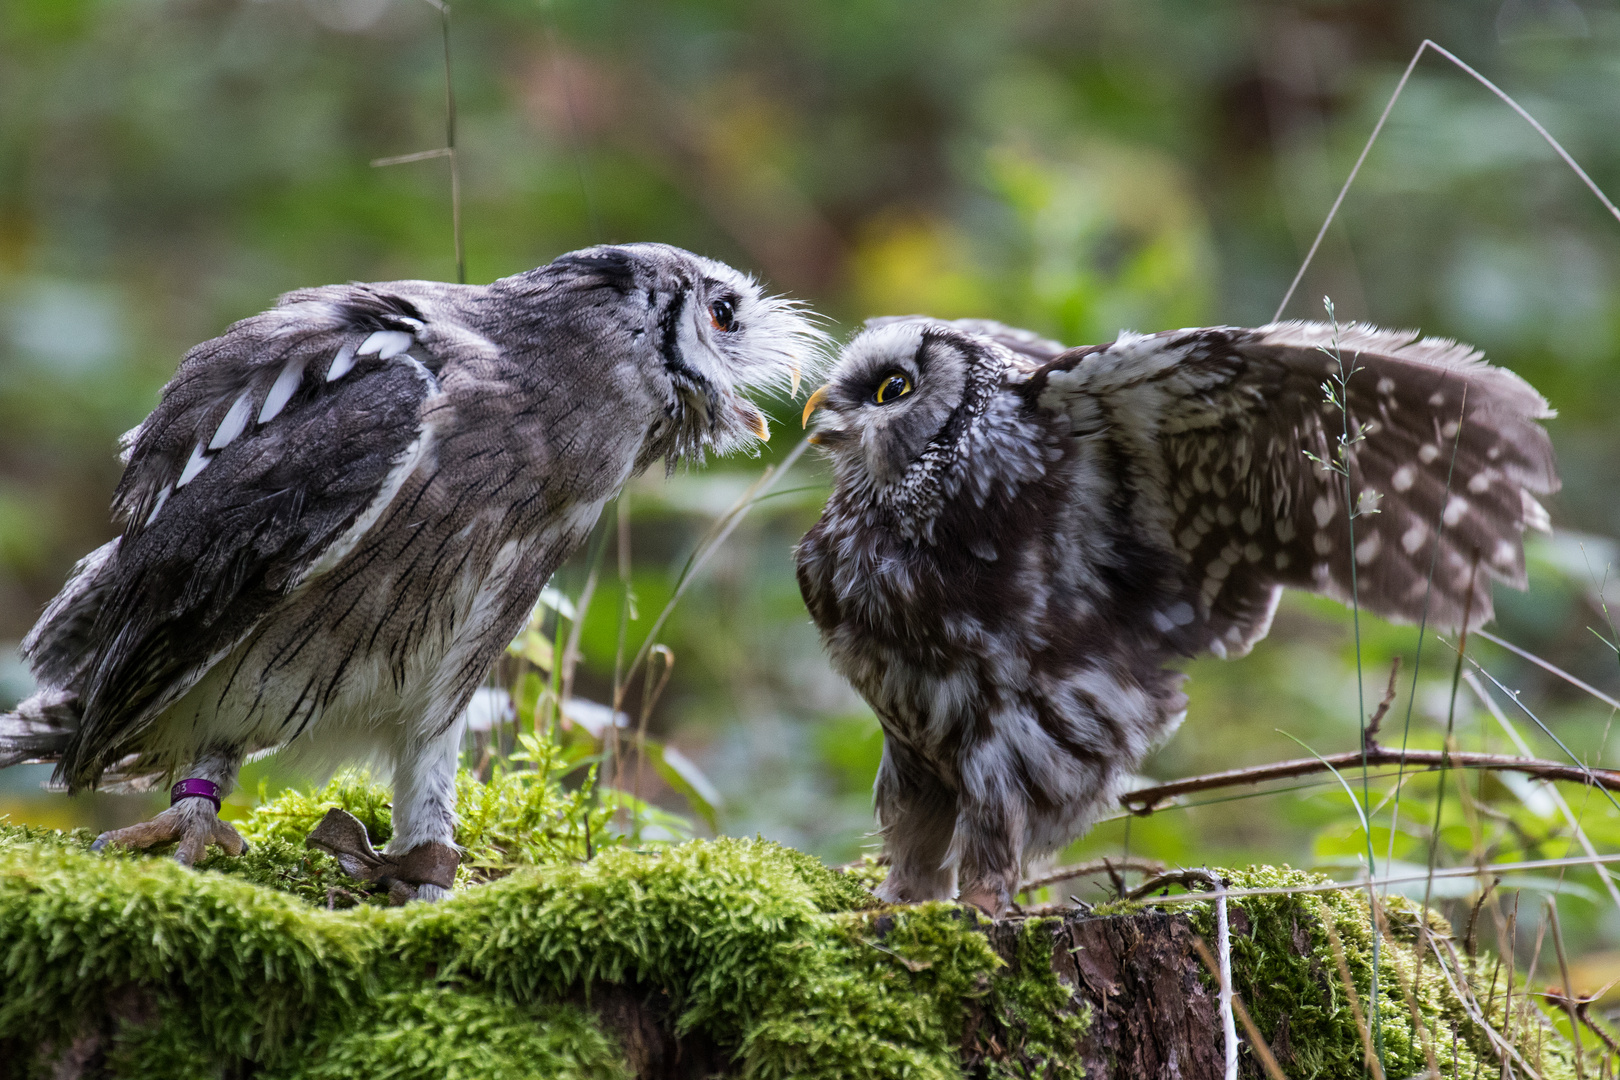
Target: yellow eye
<point>894,386</point>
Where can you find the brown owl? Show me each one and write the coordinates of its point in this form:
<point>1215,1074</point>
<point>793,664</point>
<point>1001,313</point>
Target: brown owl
<point>1021,537</point>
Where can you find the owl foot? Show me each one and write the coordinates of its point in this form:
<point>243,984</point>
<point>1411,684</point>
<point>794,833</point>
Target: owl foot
<point>986,900</point>
<point>425,872</point>
<point>193,822</point>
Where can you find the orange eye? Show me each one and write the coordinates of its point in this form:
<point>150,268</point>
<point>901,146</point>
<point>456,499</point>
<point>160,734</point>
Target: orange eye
<point>894,386</point>
<point>723,315</point>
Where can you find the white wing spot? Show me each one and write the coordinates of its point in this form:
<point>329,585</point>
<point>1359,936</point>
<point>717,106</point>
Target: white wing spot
<point>387,344</point>
<point>1535,515</point>
<point>235,422</point>
<point>1413,538</point>
<point>1224,515</point>
<point>342,363</point>
<point>1450,429</point>
<point>1480,482</point>
<point>1252,552</point>
<point>1323,510</point>
<point>1403,478</point>
<point>282,390</point>
<point>1386,386</point>
<point>1455,509</point>
<point>1321,574</point>
<point>1323,543</point>
<point>1437,399</point>
<point>1162,623</point>
<point>1250,520</point>
<point>1493,453</point>
<point>1281,560</point>
<point>163,497</point>
<point>1504,553</point>
<point>1181,613</point>
<point>199,461</point>
<point>1285,530</point>
<point>1427,453</point>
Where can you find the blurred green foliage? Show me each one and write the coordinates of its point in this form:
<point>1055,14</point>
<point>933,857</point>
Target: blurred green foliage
<point>1076,167</point>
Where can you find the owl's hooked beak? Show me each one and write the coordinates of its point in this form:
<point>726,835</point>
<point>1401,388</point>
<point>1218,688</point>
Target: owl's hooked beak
<point>810,406</point>
<point>815,402</point>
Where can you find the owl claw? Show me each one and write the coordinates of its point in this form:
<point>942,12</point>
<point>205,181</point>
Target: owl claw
<point>984,900</point>
<point>193,826</point>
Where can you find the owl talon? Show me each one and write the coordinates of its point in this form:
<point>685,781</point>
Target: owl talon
<point>985,901</point>
<point>192,822</point>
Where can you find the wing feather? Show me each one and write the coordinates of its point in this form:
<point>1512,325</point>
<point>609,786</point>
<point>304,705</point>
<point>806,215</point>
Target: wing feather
<point>261,465</point>
<point>1234,441</point>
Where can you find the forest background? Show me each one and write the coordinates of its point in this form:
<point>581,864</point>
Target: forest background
<point>168,166</point>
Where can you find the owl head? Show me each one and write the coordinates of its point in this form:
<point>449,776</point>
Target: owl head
<point>695,335</point>
<point>916,411</point>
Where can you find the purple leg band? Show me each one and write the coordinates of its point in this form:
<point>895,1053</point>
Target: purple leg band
<point>195,789</point>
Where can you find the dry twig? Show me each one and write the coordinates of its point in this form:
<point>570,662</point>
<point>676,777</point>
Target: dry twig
<point>1374,1066</point>
<point>1567,996</point>
<point>1087,869</point>
<point>1145,801</point>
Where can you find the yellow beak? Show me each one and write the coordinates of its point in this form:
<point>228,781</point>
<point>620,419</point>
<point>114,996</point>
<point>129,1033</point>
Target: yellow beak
<point>761,428</point>
<point>813,404</point>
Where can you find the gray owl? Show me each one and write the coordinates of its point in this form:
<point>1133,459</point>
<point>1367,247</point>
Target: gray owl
<point>344,508</point>
<point>1020,537</point>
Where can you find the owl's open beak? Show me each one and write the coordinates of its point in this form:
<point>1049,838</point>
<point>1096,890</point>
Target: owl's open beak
<point>813,404</point>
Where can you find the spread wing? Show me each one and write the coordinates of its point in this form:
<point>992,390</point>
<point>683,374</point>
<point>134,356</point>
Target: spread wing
<point>273,449</point>
<point>1234,453</point>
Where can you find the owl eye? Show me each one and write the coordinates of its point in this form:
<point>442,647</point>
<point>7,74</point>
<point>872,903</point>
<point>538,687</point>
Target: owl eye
<point>894,386</point>
<point>723,315</point>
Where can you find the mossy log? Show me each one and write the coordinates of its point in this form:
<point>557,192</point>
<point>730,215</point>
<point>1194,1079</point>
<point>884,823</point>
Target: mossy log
<point>706,959</point>
<point>1152,1012</point>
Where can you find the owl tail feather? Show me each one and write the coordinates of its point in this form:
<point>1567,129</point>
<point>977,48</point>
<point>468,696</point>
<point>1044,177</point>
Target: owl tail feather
<point>40,729</point>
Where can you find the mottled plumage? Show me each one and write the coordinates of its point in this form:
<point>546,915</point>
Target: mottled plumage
<point>345,507</point>
<point>1021,537</point>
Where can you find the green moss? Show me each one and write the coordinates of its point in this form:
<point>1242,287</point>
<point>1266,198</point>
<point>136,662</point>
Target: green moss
<point>313,876</point>
<point>291,815</point>
<point>761,948</point>
<point>1034,1012</point>
<point>76,928</point>
<point>431,1033</point>
<point>1286,972</point>
<point>792,967</point>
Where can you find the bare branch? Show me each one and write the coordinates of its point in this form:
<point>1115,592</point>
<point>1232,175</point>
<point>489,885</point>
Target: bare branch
<point>1087,869</point>
<point>1145,801</point>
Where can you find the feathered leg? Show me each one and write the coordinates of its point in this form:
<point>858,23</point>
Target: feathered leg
<point>425,808</point>
<point>917,813</point>
<point>987,848</point>
<point>193,820</point>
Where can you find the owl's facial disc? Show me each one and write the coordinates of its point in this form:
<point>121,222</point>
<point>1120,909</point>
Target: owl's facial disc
<point>721,335</point>
<point>893,391</point>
